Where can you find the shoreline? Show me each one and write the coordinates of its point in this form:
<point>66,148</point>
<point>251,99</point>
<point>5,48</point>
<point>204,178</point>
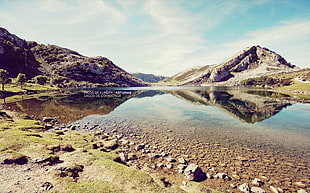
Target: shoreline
<point>239,163</point>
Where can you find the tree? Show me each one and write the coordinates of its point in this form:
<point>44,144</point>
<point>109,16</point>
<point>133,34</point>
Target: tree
<point>4,77</point>
<point>40,79</point>
<point>21,78</point>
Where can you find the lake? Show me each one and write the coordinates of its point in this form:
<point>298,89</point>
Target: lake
<point>215,127</point>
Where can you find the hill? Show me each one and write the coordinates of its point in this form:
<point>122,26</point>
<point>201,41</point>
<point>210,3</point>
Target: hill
<point>31,58</point>
<point>249,63</point>
<point>149,77</point>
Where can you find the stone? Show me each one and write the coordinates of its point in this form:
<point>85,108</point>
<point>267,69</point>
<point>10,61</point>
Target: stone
<point>48,126</point>
<point>169,166</point>
<point>220,175</point>
<point>153,155</point>
<point>140,147</point>
<point>47,186</point>
<point>257,190</point>
<point>257,182</point>
<point>233,186</point>
<point>19,160</point>
<point>132,156</point>
<point>48,119</point>
<point>123,157</point>
<point>194,173</point>
<point>301,191</point>
<point>209,176</point>
<point>49,160</point>
<point>160,165</point>
<point>165,182</point>
<point>182,160</point>
<point>181,168</point>
<point>170,159</point>
<point>273,189</point>
<point>300,184</point>
<point>163,154</point>
<point>110,145</point>
<point>244,188</point>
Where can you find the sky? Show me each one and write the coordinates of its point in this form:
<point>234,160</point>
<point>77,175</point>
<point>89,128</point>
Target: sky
<point>164,37</point>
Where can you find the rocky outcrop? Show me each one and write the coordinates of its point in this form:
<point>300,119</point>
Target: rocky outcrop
<point>251,62</point>
<point>15,55</point>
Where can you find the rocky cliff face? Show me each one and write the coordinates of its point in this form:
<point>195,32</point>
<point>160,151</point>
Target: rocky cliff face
<point>251,62</point>
<point>15,55</point>
<point>31,58</point>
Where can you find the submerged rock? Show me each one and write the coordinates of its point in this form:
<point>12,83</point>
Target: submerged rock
<point>244,188</point>
<point>257,190</point>
<point>140,147</point>
<point>257,182</point>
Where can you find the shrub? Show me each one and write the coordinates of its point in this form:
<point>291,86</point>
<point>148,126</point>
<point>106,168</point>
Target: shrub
<point>40,79</point>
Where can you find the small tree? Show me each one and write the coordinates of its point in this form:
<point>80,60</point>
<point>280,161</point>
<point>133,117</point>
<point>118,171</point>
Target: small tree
<point>4,77</point>
<point>21,78</point>
<point>40,79</point>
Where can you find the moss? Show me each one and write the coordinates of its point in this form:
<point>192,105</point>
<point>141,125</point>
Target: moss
<point>92,187</point>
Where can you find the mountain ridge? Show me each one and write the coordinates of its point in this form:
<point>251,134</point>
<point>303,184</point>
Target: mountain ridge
<point>251,62</point>
<point>29,57</point>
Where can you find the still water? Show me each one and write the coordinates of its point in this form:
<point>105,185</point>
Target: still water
<point>210,126</point>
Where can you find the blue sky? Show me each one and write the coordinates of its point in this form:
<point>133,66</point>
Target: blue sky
<point>164,37</point>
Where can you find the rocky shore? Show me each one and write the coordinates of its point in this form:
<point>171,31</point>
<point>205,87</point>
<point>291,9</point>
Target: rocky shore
<point>230,166</point>
<point>161,151</point>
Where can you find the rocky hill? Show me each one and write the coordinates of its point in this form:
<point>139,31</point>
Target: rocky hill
<point>15,55</point>
<point>31,58</point>
<point>249,63</point>
<point>149,77</point>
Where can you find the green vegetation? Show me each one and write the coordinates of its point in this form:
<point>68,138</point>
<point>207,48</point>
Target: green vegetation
<point>93,187</point>
<point>22,141</point>
<point>21,78</point>
<point>40,79</point>
<point>266,81</point>
<point>4,77</point>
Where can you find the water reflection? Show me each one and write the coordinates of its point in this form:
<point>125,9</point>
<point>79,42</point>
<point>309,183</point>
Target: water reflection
<point>246,105</point>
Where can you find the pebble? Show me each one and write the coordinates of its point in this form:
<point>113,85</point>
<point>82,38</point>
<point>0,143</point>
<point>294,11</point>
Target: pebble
<point>273,189</point>
<point>257,182</point>
<point>301,191</point>
<point>169,166</point>
<point>244,188</point>
<point>140,147</point>
<point>300,184</point>
<point>170,159</point>
<point>257,190</point>
<point>182,161</point>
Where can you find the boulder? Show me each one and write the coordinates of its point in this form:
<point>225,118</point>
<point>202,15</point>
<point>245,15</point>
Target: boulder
<point>194,173</point>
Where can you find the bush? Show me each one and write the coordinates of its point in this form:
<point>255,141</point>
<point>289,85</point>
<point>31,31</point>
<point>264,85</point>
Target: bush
<point>40,79</point>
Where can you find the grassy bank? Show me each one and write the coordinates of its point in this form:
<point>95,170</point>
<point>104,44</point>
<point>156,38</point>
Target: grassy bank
<point>68,160</point>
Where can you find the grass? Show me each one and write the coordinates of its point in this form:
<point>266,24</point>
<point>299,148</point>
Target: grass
<point>28,86</point>
<point>21,137</point>
<point>93,187</point>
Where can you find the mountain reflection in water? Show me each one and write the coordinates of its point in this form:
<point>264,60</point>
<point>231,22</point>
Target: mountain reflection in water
<point>249,106</point>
